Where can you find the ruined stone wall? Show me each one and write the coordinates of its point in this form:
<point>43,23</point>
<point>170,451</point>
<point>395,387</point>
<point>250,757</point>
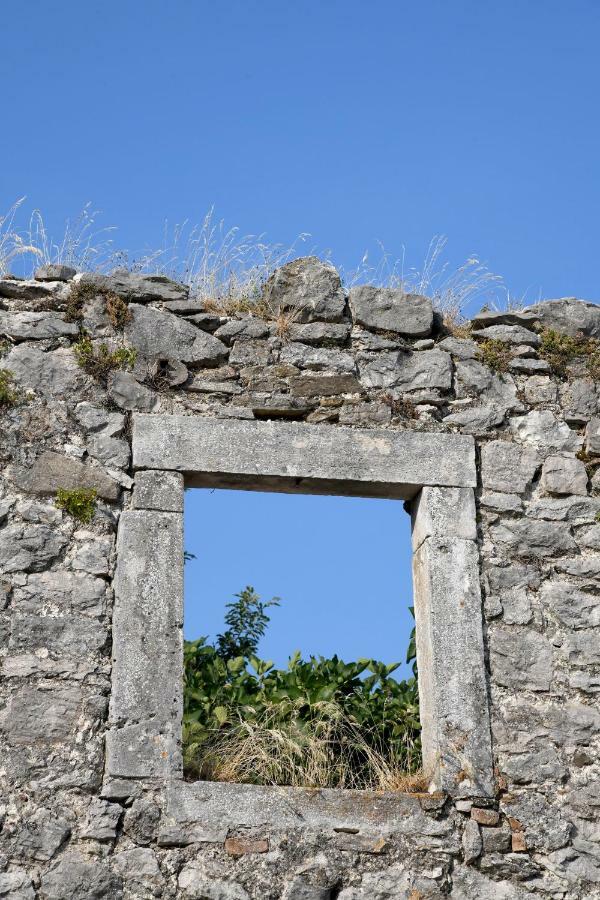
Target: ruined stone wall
<point>373,359</point>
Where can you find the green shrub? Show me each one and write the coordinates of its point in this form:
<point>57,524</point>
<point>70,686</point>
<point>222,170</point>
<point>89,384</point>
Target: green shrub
<point>496,355</point>
<point>559,350</point>
<point>8,396</point>
<point>99,361</point>
<point>78,502</point>
<point>245,720</point>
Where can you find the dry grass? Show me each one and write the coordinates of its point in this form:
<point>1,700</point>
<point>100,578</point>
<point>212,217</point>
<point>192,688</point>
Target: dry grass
<point>329,752</point>
<point>226,270</point>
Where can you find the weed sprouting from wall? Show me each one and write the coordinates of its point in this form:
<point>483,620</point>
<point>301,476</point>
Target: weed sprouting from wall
<point>80,503</point>
<point>99,361</point>
<point>8,395</point>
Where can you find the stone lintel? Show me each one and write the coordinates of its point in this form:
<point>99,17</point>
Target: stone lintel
<point>302,458</point>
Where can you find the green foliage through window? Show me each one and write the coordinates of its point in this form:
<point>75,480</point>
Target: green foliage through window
<point>319,722</point>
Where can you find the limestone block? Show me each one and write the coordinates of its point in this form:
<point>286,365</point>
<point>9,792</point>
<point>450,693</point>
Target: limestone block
<point>250,353</point>
<point>320,334</point>
<point>29,548</point>
<point>196,884</point>
<point>592,437</point>
<point>147,618</point>
<point>144,749</point>
<point>409,371</point>
<point>74,877</point>
<point>16,885</point>
<point>52,374</point>
<point>453,695</point>
<point>138,863</point>
<point>568,315</point>
<point>127,393</point>
<point>534,539</point>
<point>312,289</point>
<point>38,714</point>
<point>68,635</point>
<point>324,385</point>
<point>54,272</point>
<point>489,317</point>
<point>61,593</point>
<point>508,467</point>
<point>42,834</point>
<point>52,471</point>
<point>156,333</point>
<point>158,490</point>
<point>460,348</point>
<point>102,820</point>
<point>245,329</point>
<point>137,287</point>
<point>579,400</point>
<point>520,658</point>
<point>318,359</point>
<point>443,513</point>
<point>564,475</point>
<point>542,430</point>
<point>339,460</point>
<point>510,334</point>
<point>573,607</point>
<point>35,326</point>
<point>389,309</point>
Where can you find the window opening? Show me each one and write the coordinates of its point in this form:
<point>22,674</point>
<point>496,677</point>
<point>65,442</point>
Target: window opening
<point>301,690</point>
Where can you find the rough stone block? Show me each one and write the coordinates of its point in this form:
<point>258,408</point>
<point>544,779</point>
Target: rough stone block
<point>35,326</point>
<point>521,659</point>
<point>156,333</point>
<point>303,458</point>
<point>390,309</point>
<point>409,371</point>
<point>158,490</point>
<point>29,548</point>
<point>592,437</point>
<point>41,714</point>
<point>507,467</point>
<point>312,289</point>
<point>137,287</point>
<point>564,475</point>
<point>52,471</point>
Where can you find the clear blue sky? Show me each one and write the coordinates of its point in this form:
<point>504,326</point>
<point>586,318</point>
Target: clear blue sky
<point>353,121</point>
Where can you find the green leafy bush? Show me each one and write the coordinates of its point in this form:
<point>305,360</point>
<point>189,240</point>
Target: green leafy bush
<point>318,722</point>
<point>78,502</point>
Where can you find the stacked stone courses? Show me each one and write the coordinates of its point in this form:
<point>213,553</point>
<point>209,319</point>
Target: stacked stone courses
<point>365,359</point>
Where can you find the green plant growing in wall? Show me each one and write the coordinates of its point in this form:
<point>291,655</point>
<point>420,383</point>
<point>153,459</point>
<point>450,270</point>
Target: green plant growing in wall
<point>496,355</point>
<point>8,396</point>
<point>99,361</point>
<point>560,350</point>
<point>80,503</point>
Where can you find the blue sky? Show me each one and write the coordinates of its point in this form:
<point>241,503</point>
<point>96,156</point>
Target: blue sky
<point>357,122</point>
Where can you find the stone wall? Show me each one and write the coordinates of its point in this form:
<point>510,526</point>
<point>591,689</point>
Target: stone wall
<point>374,358</point>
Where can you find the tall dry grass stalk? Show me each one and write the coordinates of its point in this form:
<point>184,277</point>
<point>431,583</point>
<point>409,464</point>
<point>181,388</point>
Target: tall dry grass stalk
<point>330,751</point>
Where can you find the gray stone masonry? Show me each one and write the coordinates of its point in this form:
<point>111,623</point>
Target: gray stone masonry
<point>362,393</point>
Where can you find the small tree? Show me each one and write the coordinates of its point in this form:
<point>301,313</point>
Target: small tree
<point>246,621</point>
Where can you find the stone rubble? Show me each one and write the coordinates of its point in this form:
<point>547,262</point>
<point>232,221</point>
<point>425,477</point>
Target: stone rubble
<point>374,358</point>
